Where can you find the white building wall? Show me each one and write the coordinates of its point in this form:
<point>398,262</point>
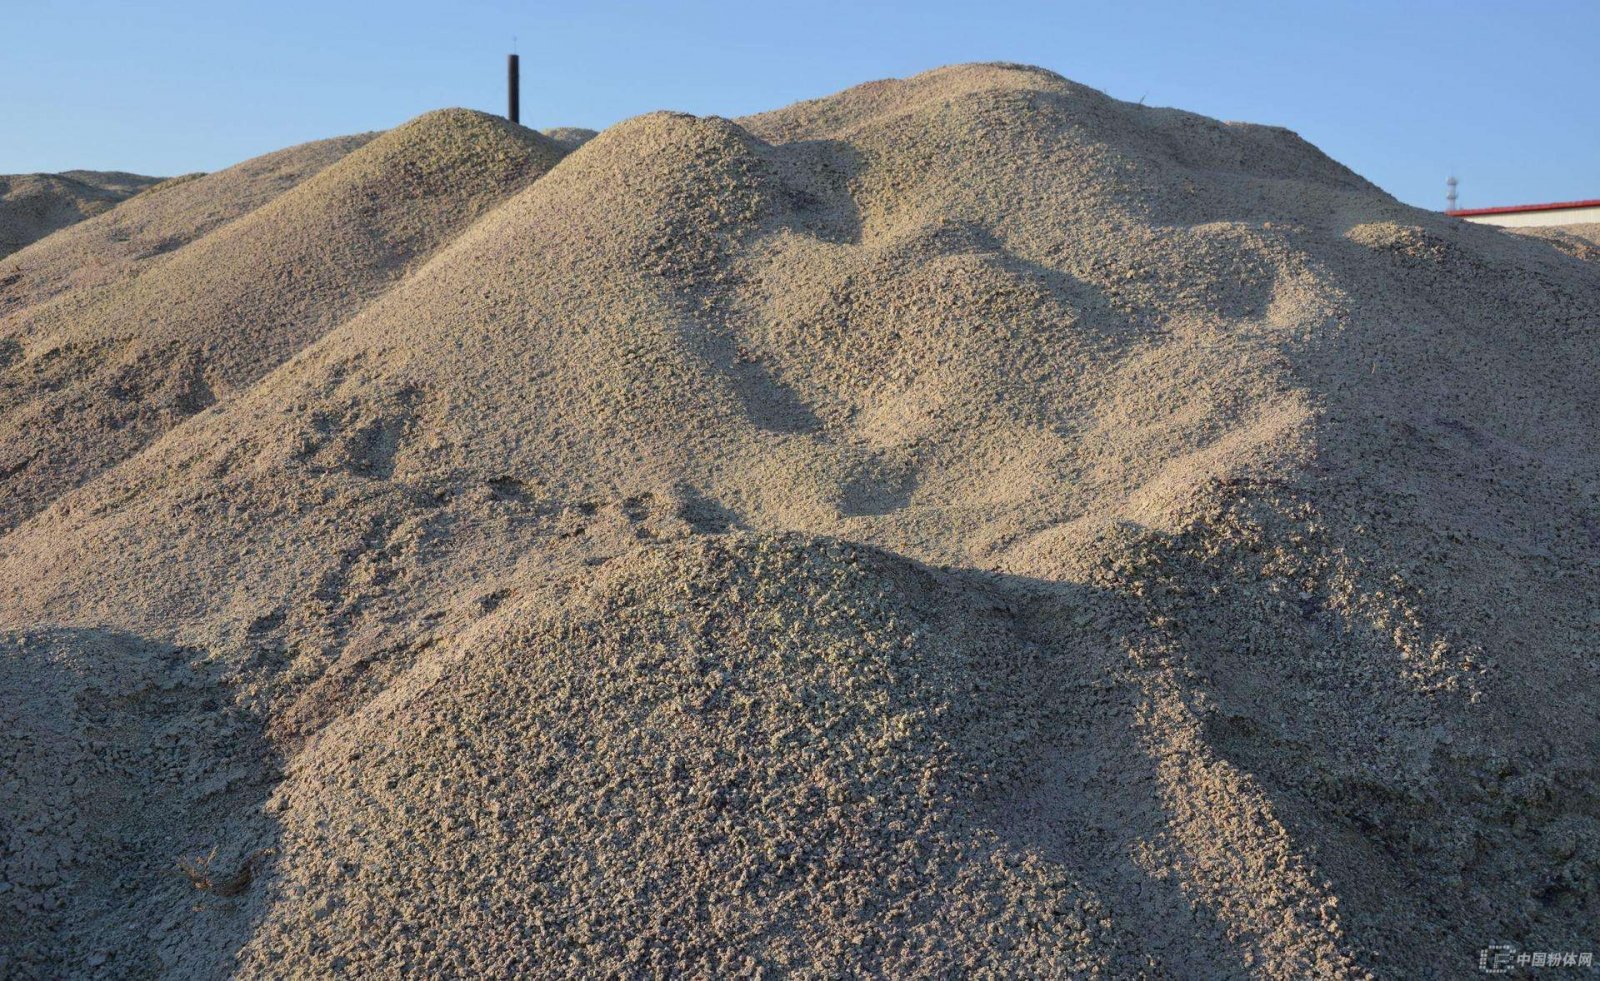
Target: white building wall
<point>1529,219</point>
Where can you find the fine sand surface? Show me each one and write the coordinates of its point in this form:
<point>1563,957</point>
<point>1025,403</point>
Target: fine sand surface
<point>966,524</point>
<point>34,205</point>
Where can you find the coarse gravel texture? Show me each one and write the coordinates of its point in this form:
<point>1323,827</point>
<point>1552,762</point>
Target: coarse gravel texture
<point>963,525</point>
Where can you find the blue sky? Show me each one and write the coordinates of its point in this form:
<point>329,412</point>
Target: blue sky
<point>1505,93</point>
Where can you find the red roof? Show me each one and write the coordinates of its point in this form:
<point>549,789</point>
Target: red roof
<point>1518,208</point>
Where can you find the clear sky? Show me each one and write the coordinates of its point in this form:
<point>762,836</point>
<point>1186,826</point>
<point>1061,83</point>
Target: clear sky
<point>1506,93</point>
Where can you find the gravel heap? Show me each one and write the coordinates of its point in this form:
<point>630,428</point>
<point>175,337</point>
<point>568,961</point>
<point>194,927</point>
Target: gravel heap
<point>182,209</point>
<point>963,523</point>
<point>129,361</point>
<point>34,205</point>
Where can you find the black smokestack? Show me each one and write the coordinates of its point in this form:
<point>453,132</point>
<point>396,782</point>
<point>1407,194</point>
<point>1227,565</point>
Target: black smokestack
<point>513,90</point>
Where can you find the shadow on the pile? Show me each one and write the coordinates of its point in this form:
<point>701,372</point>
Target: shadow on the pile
<point>1219,764</point>
<point>131,792</point>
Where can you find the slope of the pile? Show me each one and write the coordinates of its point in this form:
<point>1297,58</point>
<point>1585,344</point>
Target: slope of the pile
<point>1325,466</point>
<point>35,205</point>
<point>735,755</point>
<point>93,376</point>
<point>725,757</point>
<point>172,215</point>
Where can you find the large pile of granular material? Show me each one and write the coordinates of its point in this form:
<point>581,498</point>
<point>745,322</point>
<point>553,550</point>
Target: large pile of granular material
<point>964,524</point>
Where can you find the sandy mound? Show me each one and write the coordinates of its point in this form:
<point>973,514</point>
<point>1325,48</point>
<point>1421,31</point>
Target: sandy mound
<point>127,362</point>
<point>1251,514</point>
<point>35,205</point>
<point>175,213</point>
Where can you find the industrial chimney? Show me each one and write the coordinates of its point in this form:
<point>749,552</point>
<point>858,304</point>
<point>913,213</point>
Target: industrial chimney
<point>513,90</point>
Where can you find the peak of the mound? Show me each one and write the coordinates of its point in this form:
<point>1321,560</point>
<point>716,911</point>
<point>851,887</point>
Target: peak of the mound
<point>983,99</point>
<point>444,135</point>
<point>670,134</point>
<point>812,117</point>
